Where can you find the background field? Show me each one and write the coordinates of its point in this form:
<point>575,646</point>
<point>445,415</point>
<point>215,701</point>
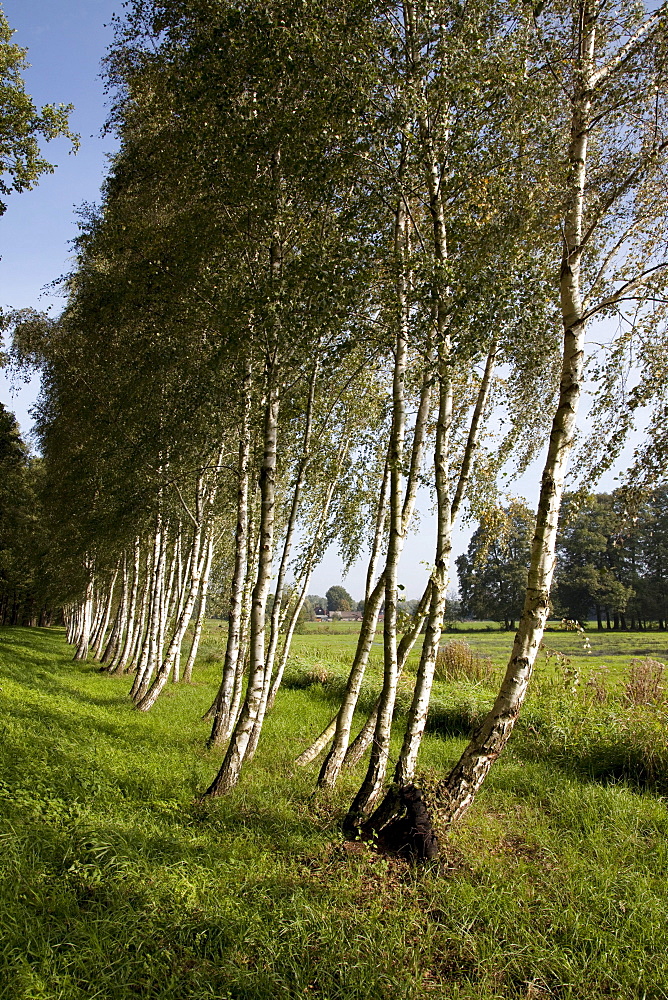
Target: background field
<point>117,883</point>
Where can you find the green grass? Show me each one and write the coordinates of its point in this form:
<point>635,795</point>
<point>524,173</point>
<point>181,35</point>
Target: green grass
<point>117,884</point>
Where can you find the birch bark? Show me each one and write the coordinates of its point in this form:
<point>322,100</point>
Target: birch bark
<point>83,638</point>
<point>230,770</point>
<point>147,697</point>
<point>223,701</point>
<point>98,639</point>
<point>113,648</point>
<point>132,610</point>
<point>201,613</point>
<point>375,775</point>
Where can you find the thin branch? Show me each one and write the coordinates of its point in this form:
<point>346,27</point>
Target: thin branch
<point>611,254</point>
<point>623,292</point>
<point>629,48</point>
<point>474,429</point>
<point>184,504</point>
<point>621,189</point>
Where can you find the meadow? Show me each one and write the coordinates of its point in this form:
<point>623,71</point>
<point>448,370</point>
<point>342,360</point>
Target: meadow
<point>117,882</point>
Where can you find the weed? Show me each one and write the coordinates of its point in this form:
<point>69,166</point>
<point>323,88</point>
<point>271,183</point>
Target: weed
<point>644,685</point>
<point>596,688</point>
<point>456,661</point>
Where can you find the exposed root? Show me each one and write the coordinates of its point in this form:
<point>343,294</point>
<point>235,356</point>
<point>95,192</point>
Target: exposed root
<point>402,825</point>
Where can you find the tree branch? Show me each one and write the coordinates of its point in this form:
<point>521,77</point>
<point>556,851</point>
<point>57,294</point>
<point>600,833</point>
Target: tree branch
<point>629,48</point>
<point>623,292</point>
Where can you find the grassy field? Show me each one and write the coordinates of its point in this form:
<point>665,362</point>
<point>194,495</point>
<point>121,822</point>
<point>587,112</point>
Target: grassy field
<point>117,884</point>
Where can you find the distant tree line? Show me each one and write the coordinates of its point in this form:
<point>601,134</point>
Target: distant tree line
<point>612,563</point>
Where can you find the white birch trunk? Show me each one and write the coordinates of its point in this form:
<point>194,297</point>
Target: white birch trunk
<point>375,775</point>
<point>126,649</point>
<point>276,615</point>
<point>357,748</point>
<point>456,793</point>
<point>145,664</point>
<point>147,696</point>
<point>221,718</point>
<point>138,643</point>
<point>417,717</point>
<point>113,647</point>
<point>228,774</point>
<point>83,639</point>
<point>204,588</point>
<point>98,641</point>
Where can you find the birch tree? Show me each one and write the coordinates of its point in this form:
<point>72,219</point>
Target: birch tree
<point>598,46</point>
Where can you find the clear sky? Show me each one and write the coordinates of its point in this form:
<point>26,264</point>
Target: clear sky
<point>67,40</point>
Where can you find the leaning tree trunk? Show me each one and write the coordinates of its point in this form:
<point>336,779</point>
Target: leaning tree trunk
<point>276,611</point>
<point>447,514</point>
<point>358,747</point>
<point>230,770</point>
<point>201,612</point>
<point>113,647</point>
<point>125,650</point>
<point>380,748</point>
<point>151,614</point>
<point>86,615</point>
<point>97,641</point>
<point>333,763</point>
<point>302,589</point>
<point>147,696</point>
<point>134,656</point>
<point>304,581</point>
<point>223,702</point>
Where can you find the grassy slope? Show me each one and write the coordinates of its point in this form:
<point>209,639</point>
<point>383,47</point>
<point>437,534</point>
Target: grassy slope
<point>117,884</point>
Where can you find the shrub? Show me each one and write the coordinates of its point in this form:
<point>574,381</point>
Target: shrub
<point>458,662</point>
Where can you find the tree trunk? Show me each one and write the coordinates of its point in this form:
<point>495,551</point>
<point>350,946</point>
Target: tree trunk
<point>98,640</point>
<point>201,613</point>
<point>380,747</point>
<point>223,701</point>
<point>86,616</point>
<point>357,748</point>
<point>144,664</point>
<point>147,696</point>
<point>113,648</point>
<point>126,650</point>
<point>230,770</point>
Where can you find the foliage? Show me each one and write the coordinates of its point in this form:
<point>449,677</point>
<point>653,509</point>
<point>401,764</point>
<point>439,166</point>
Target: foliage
<point>645,682</point>
<point>493,572</point>
<point>25,563</point>
<point>338,599</point>
<point>613,555</point>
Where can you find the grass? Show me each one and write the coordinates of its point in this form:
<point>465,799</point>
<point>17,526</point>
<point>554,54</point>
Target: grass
<point>116,883</point>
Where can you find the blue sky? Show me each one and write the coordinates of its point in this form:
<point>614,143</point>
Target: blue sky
<point>66,40</point>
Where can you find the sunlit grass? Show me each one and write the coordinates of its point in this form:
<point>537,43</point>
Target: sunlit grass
<point>117,883</point>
